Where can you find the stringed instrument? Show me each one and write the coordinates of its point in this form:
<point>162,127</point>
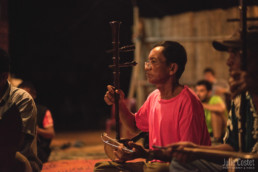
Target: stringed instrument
<point>109,143</point>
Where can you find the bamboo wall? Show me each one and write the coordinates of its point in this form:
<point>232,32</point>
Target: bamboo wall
<point>195,31</point>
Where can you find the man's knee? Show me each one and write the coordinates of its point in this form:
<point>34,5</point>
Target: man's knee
<point>105,166</point>
<point>111,166</point>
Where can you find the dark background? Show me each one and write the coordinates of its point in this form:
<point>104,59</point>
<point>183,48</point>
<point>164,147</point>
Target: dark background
<point>61,46</point>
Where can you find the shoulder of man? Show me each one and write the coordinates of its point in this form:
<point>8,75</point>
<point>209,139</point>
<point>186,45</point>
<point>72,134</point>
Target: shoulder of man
<point>153,94</point>
<point>22,99</point>
<point>26,107</point>
<point>188,93</point>
<point>215,99</point>
<point>189,99</point>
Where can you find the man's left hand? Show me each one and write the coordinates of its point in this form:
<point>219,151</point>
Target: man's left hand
<point>123,155</point>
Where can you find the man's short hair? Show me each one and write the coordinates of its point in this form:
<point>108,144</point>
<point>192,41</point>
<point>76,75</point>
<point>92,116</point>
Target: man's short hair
<point>206,83</point>
<point>209,70</point>
<point>174,53</point>
<point>4,61</point>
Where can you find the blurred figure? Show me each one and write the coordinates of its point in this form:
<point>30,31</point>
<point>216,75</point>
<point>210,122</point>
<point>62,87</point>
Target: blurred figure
<point>214,109</point>
<point>45,124</point>
<point>219,86</point>
<point>14,97</point>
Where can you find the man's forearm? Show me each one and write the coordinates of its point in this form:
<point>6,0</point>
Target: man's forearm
<point>127,118</point>
<point>48,133</point>
<point>222,147</point>
<point>214,107</point>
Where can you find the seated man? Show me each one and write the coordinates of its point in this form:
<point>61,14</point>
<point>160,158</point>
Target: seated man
<point>170,114</point>
<point>11,96</point>
<point>45,124</point>
<point>238,84</point>
<point>214,109</point>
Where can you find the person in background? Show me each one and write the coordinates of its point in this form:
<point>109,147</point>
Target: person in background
<point>45,124</point>
<point>214,109</point>
<point>219,86</point>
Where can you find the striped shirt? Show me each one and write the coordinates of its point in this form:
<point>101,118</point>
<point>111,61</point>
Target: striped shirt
<point>28,111</point>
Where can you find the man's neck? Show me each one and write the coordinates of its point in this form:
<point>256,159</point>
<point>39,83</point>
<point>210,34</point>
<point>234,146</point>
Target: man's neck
<point>168,91</point>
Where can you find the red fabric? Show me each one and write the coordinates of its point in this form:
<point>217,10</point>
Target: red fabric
<point>48,120</point>
<point>178,119</point>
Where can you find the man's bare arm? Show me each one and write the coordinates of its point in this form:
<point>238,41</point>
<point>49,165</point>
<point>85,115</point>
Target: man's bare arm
<point>126,116</point>
<point>219,107</point>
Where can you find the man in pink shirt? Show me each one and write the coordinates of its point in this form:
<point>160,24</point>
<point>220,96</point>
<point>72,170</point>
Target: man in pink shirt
<point>170,114</point>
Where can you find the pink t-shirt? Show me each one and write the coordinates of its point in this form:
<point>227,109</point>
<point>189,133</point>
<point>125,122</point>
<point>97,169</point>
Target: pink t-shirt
<point>180,118</point>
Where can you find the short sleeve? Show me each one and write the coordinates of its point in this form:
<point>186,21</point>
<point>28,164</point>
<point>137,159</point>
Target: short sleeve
<point>193,114</point>
<point>28,110</point>
<point>48,120</point>
<point>142,116</point>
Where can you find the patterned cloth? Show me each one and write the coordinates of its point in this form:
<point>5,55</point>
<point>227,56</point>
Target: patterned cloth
<point>251,134</point>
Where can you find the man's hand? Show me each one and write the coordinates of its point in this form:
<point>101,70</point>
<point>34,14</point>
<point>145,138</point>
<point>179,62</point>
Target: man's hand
<point>176,151</point>
<point>110,95</point>
<point>123,155</point>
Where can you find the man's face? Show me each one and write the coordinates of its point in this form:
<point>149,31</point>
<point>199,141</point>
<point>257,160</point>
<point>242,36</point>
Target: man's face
<point>234,60</point>
<point>208,76</point>
<point>157,70</point>
<point>202,93</point>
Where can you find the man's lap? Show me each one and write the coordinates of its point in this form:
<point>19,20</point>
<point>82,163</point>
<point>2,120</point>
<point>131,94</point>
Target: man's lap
<point>197,165</point>
<point>110,166</point>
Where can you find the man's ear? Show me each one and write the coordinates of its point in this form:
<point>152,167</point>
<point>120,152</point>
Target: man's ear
<point>173,68</point>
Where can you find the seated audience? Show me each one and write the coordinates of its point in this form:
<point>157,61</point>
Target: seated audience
<point>219,86</point>
<point>45,124</point>
<point>214,109</point>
